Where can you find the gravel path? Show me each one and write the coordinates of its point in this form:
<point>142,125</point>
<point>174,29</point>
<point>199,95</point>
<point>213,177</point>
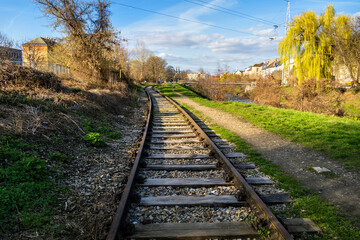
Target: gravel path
<point>343,191</point>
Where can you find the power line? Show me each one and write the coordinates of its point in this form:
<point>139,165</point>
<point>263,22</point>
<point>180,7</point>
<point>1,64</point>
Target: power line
<point>184,19</point>
<point>231,12</point>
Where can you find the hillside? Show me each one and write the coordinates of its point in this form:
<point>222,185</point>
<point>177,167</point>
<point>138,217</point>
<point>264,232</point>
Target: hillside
<point>64,151</point>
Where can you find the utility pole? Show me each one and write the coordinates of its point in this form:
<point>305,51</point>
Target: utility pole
<point>287,26</point>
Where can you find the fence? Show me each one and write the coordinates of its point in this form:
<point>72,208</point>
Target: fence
<point>51,67</point>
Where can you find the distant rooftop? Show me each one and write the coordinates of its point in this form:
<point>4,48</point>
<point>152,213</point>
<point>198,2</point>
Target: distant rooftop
<point>258,65</point>
<point>41,41</point>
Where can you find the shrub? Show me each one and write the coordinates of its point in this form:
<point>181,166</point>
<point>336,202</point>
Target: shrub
<point>94,139</point>
<point>267,92</point>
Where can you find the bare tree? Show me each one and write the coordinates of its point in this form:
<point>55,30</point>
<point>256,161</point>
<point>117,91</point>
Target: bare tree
<point>155,68</point>
<point>347,50</point>
<point>141,54</point>
<point>5,43</point>
<point>219,69</point>
<point>201,70</point>
<point>170,73</point>
<point>89,36</point>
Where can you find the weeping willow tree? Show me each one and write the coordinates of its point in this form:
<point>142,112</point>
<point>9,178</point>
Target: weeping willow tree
<point>310,43</point>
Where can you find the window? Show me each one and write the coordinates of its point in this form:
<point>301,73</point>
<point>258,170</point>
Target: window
<point>30,48</point>
<point>31,56</point>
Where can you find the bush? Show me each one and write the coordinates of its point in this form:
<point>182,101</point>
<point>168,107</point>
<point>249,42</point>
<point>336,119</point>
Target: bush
<point>94,139</point>
<point>267,92</point>
<point>316,96</point>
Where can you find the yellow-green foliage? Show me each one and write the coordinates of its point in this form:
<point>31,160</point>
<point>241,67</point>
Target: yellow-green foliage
<point>309,42</point>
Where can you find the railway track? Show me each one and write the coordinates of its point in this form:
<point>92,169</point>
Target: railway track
<point>183,186</point>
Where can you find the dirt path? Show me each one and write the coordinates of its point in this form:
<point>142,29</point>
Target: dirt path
<point>293,158</point>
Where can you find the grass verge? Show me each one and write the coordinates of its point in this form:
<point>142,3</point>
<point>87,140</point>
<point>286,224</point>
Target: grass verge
<point>27,194</point>
<point>307,204</point>
<point>337,137</point>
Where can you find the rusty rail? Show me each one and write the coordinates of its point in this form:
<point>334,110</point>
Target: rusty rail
<point>124,202</point>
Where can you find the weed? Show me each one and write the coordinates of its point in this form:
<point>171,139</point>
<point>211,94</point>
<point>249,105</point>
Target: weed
<point>87,125</point>
<point>95,139</point>
<point>55,138</point>
<point>112,135</point>
<point>264,233</point>
<point>90,127</point>
<point>58,157</point>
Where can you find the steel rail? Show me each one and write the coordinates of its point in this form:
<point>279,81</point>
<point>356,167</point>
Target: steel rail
<point>124,201</point>
<point>277,230</point>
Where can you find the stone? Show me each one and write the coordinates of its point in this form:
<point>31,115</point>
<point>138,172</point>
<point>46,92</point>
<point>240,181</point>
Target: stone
<point>321,169</point>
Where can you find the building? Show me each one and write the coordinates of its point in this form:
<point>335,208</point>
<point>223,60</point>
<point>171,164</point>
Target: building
<point>196,76</point>
<point>272,65</point>
<point>254,71</point>
<point>11,54</point>
<point>37,51</point>
<point>342,75</point>
<point>36,54</point>
<point>239,72</point>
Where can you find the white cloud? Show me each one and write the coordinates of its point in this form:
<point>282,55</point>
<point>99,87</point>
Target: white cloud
<point>179,39</point>
<point>264,32</point>
<point>192,45</point>
<point>244,46</point>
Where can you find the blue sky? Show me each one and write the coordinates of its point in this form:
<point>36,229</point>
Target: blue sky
<point>182,41</point>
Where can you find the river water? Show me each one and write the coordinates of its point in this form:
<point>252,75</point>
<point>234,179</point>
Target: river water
<point>233,98</point>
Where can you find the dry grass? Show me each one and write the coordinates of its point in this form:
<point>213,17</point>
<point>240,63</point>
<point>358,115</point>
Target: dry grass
<point>317,96</point>
<point>27,96</point>
<point>267,92</point>
<point>26,77</point>
<point>212,88</point>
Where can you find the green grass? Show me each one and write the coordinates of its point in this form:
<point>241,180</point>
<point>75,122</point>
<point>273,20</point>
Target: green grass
<point>307,204</point>
<point>27,194</point>
<point>103,129</point>
<point>337,137</point>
